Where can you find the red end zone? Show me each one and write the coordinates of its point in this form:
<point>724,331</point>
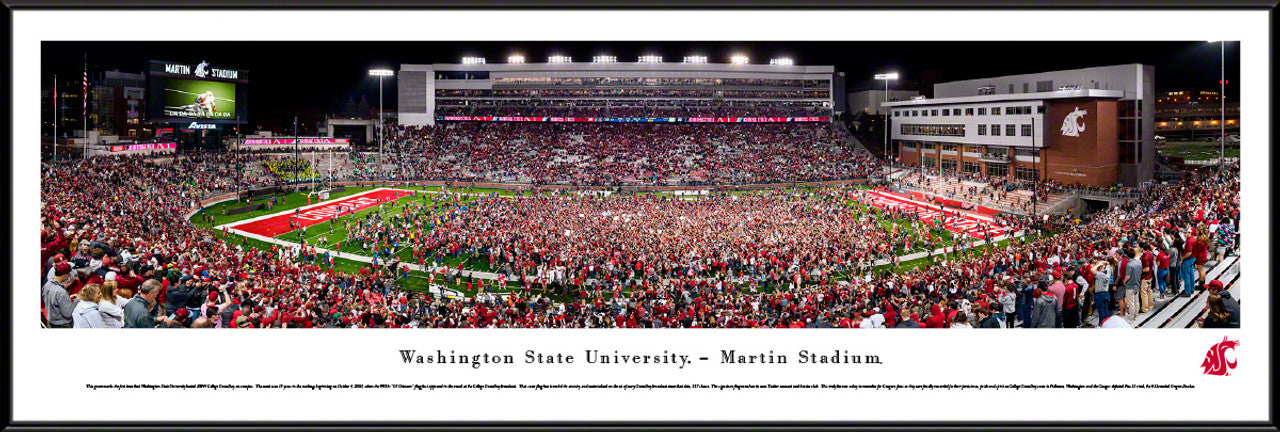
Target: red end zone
<point>974,225</point>
<point>307,216</point>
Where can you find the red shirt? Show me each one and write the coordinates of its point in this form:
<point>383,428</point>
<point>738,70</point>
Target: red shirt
<point>1069,295</point>
<point>1148,262</point>
<point>1162,261</point>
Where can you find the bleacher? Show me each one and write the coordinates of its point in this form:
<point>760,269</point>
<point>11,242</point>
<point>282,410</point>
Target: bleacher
<point>1182,312</point>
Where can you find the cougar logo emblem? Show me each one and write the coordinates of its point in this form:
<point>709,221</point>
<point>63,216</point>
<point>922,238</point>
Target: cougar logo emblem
<point>1215,361</point>
<point>1072,125</point>
<point>200,69</point>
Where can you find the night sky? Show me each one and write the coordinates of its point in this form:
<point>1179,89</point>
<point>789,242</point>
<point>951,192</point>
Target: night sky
<point>314,78</point>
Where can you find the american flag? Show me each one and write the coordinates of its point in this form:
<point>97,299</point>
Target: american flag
<point>85,111</point>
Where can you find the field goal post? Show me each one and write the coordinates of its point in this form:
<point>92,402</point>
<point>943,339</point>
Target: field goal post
<point>318,195</point>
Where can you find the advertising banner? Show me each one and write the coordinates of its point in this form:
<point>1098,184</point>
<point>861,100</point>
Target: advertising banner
<point>640,119</point>
<point>147,146</point>
<point>261,141</point>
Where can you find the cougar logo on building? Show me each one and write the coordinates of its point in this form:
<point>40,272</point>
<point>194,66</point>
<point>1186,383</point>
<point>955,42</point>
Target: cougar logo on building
<point>1072,124</point>
<point>201,70</point>
<point>1215,361</point>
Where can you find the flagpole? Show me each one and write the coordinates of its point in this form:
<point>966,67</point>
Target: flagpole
<point>84,112</point>
<point>55,120</point>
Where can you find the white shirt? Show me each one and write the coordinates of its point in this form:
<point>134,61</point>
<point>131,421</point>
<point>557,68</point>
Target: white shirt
<point>876,320</point>
<point>1115,321</point>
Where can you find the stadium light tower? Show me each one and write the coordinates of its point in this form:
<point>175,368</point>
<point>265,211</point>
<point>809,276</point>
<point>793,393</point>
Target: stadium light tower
<point>650,59</point>
<point>604,59</point>
<point>886,77</point>
<point>559,59</point>
<point>472,60</point>
<point>695,59</point>
<point>782,62</point>
<point>380,73</point>
<point>1222,98</point>
<point>516,59</point>
<point>739,59</point>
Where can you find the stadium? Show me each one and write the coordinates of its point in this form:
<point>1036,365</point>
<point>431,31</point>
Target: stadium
<point>642,194</point>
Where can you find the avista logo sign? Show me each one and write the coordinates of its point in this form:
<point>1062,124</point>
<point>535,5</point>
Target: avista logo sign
<point>1072,125</point>
<point>198,126</point>
<point>1215,361</point>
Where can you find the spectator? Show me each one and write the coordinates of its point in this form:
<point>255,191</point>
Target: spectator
<point>1216,314</point>
<point>1045,309</point>
<point>58,305</point>
<point>140,312</point>
<point>86,313</point>
<point>108,306</point>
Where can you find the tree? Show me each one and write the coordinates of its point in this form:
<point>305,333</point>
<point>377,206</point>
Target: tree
<point>349,110</point>
<point>363,109</point>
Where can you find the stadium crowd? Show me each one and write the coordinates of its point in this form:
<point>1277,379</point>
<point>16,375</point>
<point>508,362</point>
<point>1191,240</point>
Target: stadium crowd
<point>628,154</point>
<point>118,251</point>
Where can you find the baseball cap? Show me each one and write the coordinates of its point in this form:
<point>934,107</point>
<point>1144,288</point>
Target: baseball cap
<point>1215,285</point>
<point>182,313</point>
<point>62,269</point>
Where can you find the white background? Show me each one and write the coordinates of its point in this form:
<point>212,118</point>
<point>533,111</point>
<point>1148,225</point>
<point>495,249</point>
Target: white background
<point>52,367</point>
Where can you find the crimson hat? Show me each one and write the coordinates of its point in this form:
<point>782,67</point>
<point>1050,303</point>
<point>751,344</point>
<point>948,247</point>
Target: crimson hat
<point>213,296</point>
<point>62,269</point>
<point>1215,285</point>
<point>182,313</point>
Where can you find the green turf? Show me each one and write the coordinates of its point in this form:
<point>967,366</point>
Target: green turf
<point>418,281</point>
<point>1197,150</point>
<point>291,201</point>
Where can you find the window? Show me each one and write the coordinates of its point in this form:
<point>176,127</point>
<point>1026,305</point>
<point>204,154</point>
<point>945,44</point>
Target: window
<point>927,146</point>
<point>1026,130</point>
<point>971,167</point>
<point>1026,110</point>
<point>895,113</point>
<point>1026,152</point>
<point>1010,88</point>
<point>949,147</point>
<point>982,111</point>
<point>1011,130</point>
<point>995,110</point>
<point>982,129</point>
<point>932,129</point>
<point>915,113</point>
<point>1026,87</point>
<point>928,162</point>
<point>1027,173</point>
<point>909,145</point>
<point>968,111</point>
<point>1044,86</point>
<point>972,149</point>
<point>933,113</point>
<point>1040,109</point>
<point>946,111</point>
<point>948,165</point>
<point>995,130</point>
<point>997,170</point>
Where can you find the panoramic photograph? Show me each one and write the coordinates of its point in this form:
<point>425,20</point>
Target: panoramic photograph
<point>696,184</point>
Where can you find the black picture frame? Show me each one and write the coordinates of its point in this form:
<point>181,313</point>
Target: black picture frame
<point>1108,5</point>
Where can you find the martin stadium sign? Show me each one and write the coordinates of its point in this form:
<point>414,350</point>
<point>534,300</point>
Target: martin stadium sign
<point>201,70</point>
<point>641,119</point>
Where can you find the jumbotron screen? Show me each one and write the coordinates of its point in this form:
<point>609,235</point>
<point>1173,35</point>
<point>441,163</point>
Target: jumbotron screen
<point>199,99</point>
